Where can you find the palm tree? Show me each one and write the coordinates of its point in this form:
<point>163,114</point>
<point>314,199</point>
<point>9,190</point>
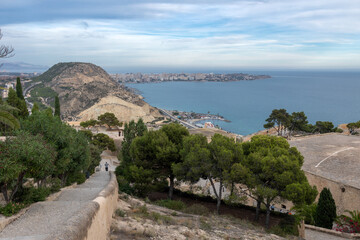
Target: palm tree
<point>7,118</point>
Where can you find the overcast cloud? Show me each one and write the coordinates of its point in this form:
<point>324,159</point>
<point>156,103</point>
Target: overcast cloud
<point>185,35</point>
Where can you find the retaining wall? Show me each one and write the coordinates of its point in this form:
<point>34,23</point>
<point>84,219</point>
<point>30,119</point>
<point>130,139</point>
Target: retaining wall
<point>94,220</point>
<point>346,197</point>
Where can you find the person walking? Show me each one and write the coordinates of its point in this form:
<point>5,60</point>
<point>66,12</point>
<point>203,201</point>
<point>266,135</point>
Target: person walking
<point>106,166</point>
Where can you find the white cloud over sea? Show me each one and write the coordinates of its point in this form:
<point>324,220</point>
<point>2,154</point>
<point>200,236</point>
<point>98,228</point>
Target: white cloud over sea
<point>185,35</point>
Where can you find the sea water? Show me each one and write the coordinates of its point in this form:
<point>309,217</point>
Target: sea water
<point>323,96</point>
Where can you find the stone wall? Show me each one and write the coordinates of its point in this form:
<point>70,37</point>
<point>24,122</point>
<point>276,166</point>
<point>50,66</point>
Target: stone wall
<point>346,197</point>
<point>94,220</point>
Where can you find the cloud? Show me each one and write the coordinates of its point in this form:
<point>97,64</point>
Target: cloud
<point>299,34</point>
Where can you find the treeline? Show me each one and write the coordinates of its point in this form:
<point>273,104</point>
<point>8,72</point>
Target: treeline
<point>267,168</point>
<point>43,148</point>
<point>288,124</point>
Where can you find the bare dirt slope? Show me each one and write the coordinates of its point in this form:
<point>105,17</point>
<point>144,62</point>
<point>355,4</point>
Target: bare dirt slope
<point>82,85</point>
<point>136,219</point>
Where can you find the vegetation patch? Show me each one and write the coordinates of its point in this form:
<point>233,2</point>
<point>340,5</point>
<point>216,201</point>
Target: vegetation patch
<point>41,91</point>
<point>171,204</point>
<point>197,209</point>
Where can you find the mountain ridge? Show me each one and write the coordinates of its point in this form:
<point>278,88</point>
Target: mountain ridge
<point>80,86</point>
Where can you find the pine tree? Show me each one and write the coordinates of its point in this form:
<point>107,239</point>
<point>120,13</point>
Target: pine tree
<point>35,108</point>
<point>12,99</point>
<point>326,210</point>
<point>24,112</point>
<point>19,91</point>
<point>57,107</point>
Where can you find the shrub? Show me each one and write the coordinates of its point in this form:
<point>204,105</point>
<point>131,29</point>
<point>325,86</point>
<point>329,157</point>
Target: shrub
<point>55,185</point>
<point>11,208</point>
<point>289,225</point>
<point>349,224</point>
<point>338,130</point>
<point>307,213</point>
<point>197,209</point>
<point>32,194</point>
<point>161,219</point>
<point>171,204</point>
<point>120,213</point>
<point>124,185</point>
<point>77,177</point>
<point>326,210</point>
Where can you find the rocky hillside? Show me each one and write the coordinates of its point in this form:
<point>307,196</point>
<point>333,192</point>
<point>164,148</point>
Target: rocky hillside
<point>80,86</point>
<point>135,219</point>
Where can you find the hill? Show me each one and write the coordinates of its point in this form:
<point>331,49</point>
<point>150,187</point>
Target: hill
<point>80,86</point>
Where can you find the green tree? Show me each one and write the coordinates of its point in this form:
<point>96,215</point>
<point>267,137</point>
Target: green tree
<point>131,131</point>
<point>18,103</point>
<point>175,133</point>
<point>218,158</point>
<point>24,155</point>
<point>153,151</point>
<point>89,123</point>
<point>272,169</point>
<point>326,210</point>
<point>24,112</point>
<point>109,119</point>
<point>19,91</point>
<point>12,99</point>
<point>279,119</point>
<point>57,106</point>
<point>95,153</point>
<point>324,127</point>
<point>35,108</point>
<point>298,123</point>
<point>72,147</point>
<point>103,142</point>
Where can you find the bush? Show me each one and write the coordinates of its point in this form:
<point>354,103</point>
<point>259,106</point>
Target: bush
<point>120,213</point>
<point>289,225</point>
<point>307,213</point>
<point>124,185</point>
<point>326,210</point>
<point>55,184</point>
<point>349,224</point>
<point>161,219</point>
<point>197,209</point>
<point>171,204</point>
<point>32,194</point>
<point>338,130</point>
<point>11,208</point>
<point>77,177</point>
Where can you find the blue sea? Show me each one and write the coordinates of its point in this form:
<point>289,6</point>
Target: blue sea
<point>323,96</point>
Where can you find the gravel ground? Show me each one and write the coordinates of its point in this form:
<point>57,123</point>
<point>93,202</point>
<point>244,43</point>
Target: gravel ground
<point>45,218</point>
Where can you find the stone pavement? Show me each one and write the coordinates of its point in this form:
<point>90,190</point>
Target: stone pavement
<point>333,156</point>
<point>46,219</point>
<point>316,235</point>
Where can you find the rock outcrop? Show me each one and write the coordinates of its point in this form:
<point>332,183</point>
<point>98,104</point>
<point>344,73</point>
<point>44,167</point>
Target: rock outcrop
<point>86,89</point>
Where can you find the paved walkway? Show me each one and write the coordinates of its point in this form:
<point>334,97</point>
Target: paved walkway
<point>44,219</point>
<point>316,235</point>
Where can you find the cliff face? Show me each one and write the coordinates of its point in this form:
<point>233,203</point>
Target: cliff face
<point>82,85</point>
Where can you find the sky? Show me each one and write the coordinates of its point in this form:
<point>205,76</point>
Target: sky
<point>185,36</point>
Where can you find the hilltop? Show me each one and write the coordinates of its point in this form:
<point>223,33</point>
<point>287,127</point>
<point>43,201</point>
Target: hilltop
<point>81,86</point>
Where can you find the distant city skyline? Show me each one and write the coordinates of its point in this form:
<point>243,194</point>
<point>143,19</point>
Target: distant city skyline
<point>185,36</point>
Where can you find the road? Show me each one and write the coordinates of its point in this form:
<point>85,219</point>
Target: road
<point>186,124</point>
<point>30,87</point>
